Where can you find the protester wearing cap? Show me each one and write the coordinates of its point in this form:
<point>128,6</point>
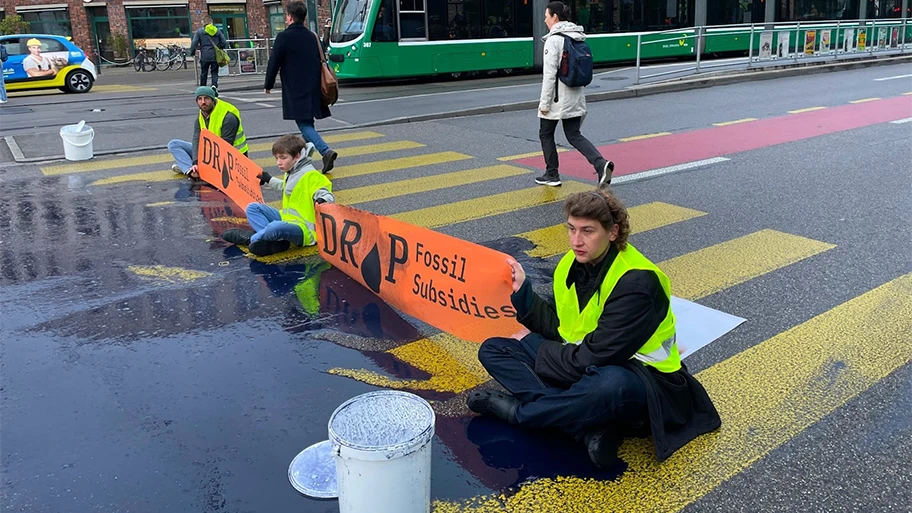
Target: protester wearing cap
<point>36,65</point>
<point>217,116</point>
<point>602,363</point>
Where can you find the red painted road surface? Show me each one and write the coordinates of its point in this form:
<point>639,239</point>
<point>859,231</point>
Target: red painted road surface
<point>646,154</point>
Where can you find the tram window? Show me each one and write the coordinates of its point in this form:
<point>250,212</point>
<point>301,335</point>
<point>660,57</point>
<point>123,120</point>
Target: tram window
<point>385,24</point>
<point>498,19</point>
<point>352,20</point>
<point>638,15</point>
<point>412,19</point>
<point>595,16</point>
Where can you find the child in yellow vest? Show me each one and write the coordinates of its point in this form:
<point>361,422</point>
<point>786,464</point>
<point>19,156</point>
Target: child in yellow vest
<point>302,186</point>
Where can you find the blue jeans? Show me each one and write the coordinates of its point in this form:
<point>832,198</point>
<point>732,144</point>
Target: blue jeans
<point>609,396</point>
<point>309,133</point>
<point>181,151</point>
<point>268,224</point>
<point>2,86</point>
<point>207,68</point>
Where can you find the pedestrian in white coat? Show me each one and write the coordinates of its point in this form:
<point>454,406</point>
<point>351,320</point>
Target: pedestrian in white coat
<point>561,103</point>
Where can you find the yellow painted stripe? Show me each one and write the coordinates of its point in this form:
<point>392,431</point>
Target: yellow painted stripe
<point>167,274</point>
<point>381,166</point>
<point>152,176</point>
<point>809,109</point>
<point>165,157</point>
<point>468,210</point>
<point>451,362</point>
<point>735,122</point>
<point>354,151</point>
<point>865,100</point>
<point>709,270</point>
<point>552,240</point>
<point>766,395</point>
<point>528,155</point>
<point>330,139</point>
<point>229,219</point>
<point>425,183</point>
<point>285,256</point>
<point>120,89</point>
<point>161,203</point>
<point>644,136</point>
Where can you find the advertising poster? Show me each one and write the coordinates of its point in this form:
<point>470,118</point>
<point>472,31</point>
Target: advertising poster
<point>766,45</point>
<point>848,42</point>
<point>810,41</point>
<point>783,50</point>
<point>824,41</point>
<point>247,60</point>
<point>862,37</point>
<point>894,38</point>
<point>882,37</point>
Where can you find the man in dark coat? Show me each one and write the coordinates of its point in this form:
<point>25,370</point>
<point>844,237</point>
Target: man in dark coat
<point>603,362</point>
<point>296,56</point>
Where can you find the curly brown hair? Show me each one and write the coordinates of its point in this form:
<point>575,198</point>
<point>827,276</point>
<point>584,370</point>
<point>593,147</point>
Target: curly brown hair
<point>603,206</point>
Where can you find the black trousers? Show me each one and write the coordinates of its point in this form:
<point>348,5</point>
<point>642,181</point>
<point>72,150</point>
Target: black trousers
<point>605,397</point>
<point>205,69</point>
<point>574,137</point>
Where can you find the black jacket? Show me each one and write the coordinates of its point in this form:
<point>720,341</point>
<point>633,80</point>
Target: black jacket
<point>679,407</point>
<point>296,57</point>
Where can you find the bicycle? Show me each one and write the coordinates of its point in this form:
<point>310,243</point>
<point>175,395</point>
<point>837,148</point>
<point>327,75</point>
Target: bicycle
<point>142,61</point>
<point>178,57</point>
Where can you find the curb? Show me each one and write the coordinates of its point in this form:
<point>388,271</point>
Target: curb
<point>685,84</point>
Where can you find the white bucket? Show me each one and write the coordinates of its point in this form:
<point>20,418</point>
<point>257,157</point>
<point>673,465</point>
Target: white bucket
<point>382,445</point>
<point>77,141</point>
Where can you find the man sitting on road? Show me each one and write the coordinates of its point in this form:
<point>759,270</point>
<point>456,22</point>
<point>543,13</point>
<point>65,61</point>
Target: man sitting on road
<point>217,116</point>
<point>603,363</point>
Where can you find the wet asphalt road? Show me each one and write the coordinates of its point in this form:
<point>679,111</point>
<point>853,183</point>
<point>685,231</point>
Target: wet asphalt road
<point>148,366</point>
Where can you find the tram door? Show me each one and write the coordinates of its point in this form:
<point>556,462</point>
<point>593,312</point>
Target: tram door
<point>412,20</point>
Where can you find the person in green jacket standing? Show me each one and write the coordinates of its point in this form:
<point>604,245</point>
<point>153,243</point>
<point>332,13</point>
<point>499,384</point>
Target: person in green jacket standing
<point>206,39</point>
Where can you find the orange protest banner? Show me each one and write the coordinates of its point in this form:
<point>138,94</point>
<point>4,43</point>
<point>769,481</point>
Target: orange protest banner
<point>459,287</point>
<point>228,170</point>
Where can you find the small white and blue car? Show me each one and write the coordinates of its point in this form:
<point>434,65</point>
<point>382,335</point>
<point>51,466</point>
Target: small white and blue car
<point>44,61</point>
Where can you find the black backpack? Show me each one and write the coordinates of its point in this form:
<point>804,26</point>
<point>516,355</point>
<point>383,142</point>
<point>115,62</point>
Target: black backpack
<point>575,64</point>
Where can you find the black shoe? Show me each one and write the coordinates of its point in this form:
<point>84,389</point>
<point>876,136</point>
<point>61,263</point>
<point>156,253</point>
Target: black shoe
<point>604,174</point>
<point>238,237</point>
<point>549,180</point>
<point>495,404</point>
<point>329,161</point>
<point>603,447</point>
<point>268,247</point>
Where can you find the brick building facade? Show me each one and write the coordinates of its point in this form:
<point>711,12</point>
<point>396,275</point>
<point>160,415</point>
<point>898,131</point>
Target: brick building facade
<point>91,23</point>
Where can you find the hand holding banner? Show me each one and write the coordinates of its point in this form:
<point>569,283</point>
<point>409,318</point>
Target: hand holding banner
<point>228,170</point>
<point>459,287</point>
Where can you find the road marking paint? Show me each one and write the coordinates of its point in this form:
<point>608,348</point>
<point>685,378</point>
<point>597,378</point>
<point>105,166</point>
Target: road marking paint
<point>901,121</point>
<point>553,240</point>
<point>907,94</point>
<point>265,105</point>
<point>865,100</point>
<point>152,176</point>
<point>766,396</point>
<point>229,219</point>
<point>167,274</point>
<point>735,122</point>
<point>633,177</point>
<point>809,109</point>
<point>285,256</point>
<point>706,271</point>
<point>84,167</point>
<point>644,136</point>
<point>381,166</point>
<point>120,88</point>
<point>451,362</point>
<point>425,183</point>
<point>528,155</point>
<point>14,147</point>
<point>160,203</point>
<point>467,210</point>
<point>330,139</point>
<point>892,78</point>
<point>355,151</point>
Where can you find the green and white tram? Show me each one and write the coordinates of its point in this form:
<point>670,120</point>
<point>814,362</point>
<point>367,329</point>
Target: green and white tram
<point>373,39</point>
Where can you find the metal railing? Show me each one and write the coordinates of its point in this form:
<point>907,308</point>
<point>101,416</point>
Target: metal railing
<point>885,36</point>
<point>245,57</point>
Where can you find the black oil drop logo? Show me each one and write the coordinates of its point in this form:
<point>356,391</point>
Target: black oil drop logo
<point>226,178</point>
<point>370,269</point>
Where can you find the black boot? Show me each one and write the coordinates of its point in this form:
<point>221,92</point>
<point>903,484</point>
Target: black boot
<point>603,447</point>
<point>329,160</point>
<point>268,247</point>
<point>238,237</point>
<point>495,404</point>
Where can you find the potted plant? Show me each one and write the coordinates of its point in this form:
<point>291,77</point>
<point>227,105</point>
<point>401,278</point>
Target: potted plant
<point>119,45</point>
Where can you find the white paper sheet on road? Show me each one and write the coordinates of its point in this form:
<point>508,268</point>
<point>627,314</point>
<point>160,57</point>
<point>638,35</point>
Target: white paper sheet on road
<point>698,325</point>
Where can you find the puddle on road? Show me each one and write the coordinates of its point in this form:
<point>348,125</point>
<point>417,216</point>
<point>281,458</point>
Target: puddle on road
<point>105,268</point>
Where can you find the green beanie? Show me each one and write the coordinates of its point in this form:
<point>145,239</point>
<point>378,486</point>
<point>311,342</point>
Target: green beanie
<point>206,91</point>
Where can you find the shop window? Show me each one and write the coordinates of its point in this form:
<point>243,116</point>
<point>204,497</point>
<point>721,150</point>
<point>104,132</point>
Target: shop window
<point>48,22</point>
<point>276,19</point>
<point>159,23</point>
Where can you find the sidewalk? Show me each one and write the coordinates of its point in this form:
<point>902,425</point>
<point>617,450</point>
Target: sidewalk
<point>127,75</point>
